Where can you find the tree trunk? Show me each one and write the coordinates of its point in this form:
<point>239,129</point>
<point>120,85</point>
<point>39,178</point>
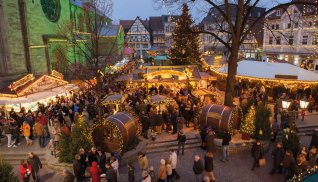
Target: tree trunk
<point>230,80</point>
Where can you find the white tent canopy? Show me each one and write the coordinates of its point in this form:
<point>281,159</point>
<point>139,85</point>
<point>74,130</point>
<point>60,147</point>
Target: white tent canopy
<point>274,71</point>
<point>32,99</point>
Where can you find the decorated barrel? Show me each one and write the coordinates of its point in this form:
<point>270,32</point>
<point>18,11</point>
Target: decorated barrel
<point>115,132</point>
<point>220,118</point>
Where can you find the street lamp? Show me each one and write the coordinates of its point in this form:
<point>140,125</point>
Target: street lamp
<point>285,104</point>
<point>303,105</point>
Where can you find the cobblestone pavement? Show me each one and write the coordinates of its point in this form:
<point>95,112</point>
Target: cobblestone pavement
<point>238,169</point>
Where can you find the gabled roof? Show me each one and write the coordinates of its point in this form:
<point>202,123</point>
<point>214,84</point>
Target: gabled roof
<point>215,14</point>
<point>301,8</point>
<point>110,30</point>
<point>126,24</point>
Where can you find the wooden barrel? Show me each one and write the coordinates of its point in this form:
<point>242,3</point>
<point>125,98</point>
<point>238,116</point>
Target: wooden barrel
<point>215,116</point>
<point>115,132</point>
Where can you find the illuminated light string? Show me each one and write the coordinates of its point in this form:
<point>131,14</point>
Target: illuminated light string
<point>265,79</point>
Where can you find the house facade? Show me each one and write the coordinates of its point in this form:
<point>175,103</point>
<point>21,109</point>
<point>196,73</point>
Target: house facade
<point>291,36</point>
<point>31,38</point>
<point>137,35</point>
<point>213,22</point>
<point>159,28</point>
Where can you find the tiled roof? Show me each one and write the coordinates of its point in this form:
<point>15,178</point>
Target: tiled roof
<point>126,24</point>
<point>110,30</point>
<point>156,23</point>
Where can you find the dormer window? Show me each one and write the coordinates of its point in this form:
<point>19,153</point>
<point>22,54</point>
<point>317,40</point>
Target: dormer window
<point>278,12</point>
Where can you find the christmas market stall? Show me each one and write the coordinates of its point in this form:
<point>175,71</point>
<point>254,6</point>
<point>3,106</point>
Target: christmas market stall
<point>115,132</point>
<point>161,102</point>
<point>220,118</point>
<point>115,101</point>
<point>270,74</point>
<point>169,76</point>
<point>31,89</point>
<point>208,97</point>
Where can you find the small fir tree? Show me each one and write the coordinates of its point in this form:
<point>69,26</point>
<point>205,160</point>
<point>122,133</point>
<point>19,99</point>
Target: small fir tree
<point>79,136</point>
<point>185,47</point>
<point>70,145</point>
<point>291,141</point>
<point>248,124</point>
<point>6,172</point>
<point>65,148</point>
<point>263,128</point>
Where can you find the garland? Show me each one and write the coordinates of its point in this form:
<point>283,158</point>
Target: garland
<point>237,113</point>
<point>305,174</point>
<point>197,115</point>
<point>116,132</point>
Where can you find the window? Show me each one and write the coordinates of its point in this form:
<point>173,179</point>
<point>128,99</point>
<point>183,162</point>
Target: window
<point>273,27</point>
<point>305,40</point>
<point>144,45</point>
<point>310,9</point>
<point>278,40</point>
<point>258,14</point>
<point>278,12</point>
<point>291,40</point>
<point>270,40</point>
<point>289,25</point>
<point>137,45</point>
<point>277,26</point>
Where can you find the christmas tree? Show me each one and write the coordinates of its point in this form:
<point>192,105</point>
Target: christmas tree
<point>263,128</point>
<point>185,47</point>
<point>7,171</point>
<point>248,125</point>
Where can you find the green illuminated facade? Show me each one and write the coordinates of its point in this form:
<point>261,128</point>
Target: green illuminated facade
<point>30,35</point>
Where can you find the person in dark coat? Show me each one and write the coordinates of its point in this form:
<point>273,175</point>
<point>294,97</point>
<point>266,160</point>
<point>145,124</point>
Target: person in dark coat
<point>79,168</point>
<point>93,156</point>
<point>257,153</point>
<point>208,165</point>
<point>278,157</point>
<point>131,172</point>
<point>289,165</point>
<point>83,156</point>
<point>144,119</point>
<point>174,116</point>
<point>111,175</point>
<point>209,142</point>
<point>198,168</point>
<point>68,176</point>
<point>226,138</point>
<point>181,141</point>
<point>36,165</point>
<point>314,139</point>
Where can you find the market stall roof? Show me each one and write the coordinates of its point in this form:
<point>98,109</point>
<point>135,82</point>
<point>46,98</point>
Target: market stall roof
<point>157,98</point>
<point>271,71</point>
<point>37,96</point>
<point>116,98</point>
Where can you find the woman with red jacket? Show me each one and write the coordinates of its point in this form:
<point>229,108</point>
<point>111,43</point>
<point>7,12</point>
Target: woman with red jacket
<point>95,172</point>
<point>25,171</point>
